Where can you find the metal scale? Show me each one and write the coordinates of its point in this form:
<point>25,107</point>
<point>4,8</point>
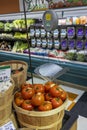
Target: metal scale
<point>47,71</point>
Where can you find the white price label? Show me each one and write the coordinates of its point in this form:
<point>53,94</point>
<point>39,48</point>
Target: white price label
<point>5,73</point>
<point>8,126</point>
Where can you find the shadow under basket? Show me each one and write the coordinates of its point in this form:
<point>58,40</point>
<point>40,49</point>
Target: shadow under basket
<point>35,120</point>
<point>19,77</point>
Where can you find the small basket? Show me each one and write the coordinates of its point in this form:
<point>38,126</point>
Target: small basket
<point>20,77</point>
<point>49,120</point>
<point>5,96</point>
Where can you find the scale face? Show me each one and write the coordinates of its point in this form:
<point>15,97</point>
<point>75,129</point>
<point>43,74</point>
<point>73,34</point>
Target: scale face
<point>50,20</point>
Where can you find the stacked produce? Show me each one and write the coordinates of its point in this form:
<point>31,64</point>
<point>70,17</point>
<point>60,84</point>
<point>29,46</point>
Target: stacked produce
<point>82,56</point>
<point>67,3</point>
<point>71,55</point>
<point>19,35</point>
<point>19,46</point>
<point>1,25</point>
<point>39,97</point>
<point>20,23</point>
<point>8,26</point>
<point>77,55</point>
<point>15,24</point>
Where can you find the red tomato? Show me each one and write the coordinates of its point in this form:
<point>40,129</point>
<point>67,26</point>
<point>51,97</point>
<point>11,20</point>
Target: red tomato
<point>56,102</point>
<point>25,85</point>
<point>63,95</point>
<point>39,88</point>
<point>48,97</point>
<point>37,99</point>
<point>17,94</point>
<point>48,85</point>
<point>18,101</point>
<point>27,93</point>
<point>27,105</point>
<point>54,91</point>
<point>45,106</point>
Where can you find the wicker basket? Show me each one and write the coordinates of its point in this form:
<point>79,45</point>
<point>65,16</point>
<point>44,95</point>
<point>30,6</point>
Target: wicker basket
<point>5,96</point>
<point>20,77</point>
<point>6,110</point>
<point>49,120</point>
<point>9,119</point>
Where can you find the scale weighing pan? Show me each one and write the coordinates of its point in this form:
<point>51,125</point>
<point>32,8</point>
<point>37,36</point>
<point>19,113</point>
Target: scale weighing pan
<point>50,71</point>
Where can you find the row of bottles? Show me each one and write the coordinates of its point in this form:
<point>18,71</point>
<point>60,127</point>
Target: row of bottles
<point>64,37</point>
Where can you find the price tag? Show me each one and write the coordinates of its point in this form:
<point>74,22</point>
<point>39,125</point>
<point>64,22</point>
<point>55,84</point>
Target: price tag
<point>8,126</point>
<point>5,73</point>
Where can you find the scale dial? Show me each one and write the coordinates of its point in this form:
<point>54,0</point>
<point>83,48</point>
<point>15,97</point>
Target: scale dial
<point>50,20</point>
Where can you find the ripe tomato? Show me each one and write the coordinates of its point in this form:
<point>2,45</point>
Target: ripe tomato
<point>39,88</point>
<point>45,106</point>
<point>27,92</point>
<point>63,95</point>
<point>56,102</point>
<point>54,91</point>
<point>18,101</point>
<point>27,105</point>
<point>48,97</point>
<point>38,99</point>
<point>25,85</point>
<point>48,85</point>
<point>17,94</point>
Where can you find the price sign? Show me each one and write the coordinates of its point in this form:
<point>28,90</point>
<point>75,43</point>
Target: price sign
<point>8,126</point>
<point>48,16</point>
<point>5,73</point>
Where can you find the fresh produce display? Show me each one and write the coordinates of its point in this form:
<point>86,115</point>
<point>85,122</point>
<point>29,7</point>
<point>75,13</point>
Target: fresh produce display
<point>81,56</point>
<point>66,3</point>
<point>19,35</point>
<point>36,5</point>
<point>19,46</point>
<point>15,24</point>
<point>8,26</point>
<point>40,97</point>
<point>77,55</point>
<point>1,25</point>
<point>71,55</point>
<point>20,23</point>
<point>5,35</point>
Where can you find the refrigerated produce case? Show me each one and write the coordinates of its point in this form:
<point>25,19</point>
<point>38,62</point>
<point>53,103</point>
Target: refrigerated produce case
<point>77,72</point>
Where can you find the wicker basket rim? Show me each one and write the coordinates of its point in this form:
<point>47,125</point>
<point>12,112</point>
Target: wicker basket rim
<point>41,114</point>
<point>14,61</point>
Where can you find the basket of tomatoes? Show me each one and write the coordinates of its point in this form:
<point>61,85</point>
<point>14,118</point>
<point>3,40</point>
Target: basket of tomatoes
<point>40,106</point>
<point>18,71</point>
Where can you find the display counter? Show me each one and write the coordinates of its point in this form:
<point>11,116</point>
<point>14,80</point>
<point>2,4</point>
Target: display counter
<point>76,74</point>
